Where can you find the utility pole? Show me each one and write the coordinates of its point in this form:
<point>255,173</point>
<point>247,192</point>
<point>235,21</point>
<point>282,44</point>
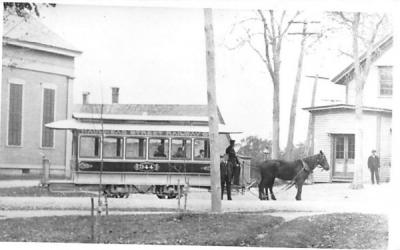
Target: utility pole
<point>310,135</point>
<point>213,119</point>
<point>292,121</point>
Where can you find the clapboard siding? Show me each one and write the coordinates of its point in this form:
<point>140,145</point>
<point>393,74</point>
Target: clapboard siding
<point>386,147</point>
<point>45,66</point>
<point>371,93</point>
<point>328,123</point>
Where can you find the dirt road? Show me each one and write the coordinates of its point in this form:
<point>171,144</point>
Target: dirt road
<point>318,198</point>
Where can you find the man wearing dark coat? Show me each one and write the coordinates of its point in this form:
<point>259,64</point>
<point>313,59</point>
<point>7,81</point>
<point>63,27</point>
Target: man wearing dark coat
<point>226,176</point>
<point>230,151</point>
<point>374,165</point>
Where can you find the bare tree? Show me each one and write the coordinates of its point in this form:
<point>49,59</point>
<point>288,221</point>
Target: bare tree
<point>23,9</point>
<point>266,41</point>
<point>365,28</point>
<point>292,117</point>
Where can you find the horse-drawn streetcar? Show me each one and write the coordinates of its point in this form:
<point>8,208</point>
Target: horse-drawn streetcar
<point>140,153</point>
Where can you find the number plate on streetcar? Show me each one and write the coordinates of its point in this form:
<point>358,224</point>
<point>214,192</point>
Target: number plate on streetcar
<point>146,167</point>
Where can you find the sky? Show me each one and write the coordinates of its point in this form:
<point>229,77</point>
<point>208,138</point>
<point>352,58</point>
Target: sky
<point>157,55</point>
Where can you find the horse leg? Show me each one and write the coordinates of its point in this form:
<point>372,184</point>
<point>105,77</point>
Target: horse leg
<point>270,189</point>
<point>222,189</point>
<point>261,190</point>
<point>265,185</point>
<point>299,189</point>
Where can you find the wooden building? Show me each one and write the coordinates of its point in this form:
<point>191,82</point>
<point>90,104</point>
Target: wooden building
<point>36,88</point>
<point>335,125</point>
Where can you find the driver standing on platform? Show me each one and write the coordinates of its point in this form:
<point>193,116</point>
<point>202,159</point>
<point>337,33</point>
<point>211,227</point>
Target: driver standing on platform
<point>230,150</point>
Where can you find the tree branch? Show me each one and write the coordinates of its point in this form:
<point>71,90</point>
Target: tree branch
<point>289,23</point>
<point>264,59</point>
<point>266,27</point>
<point>344,18</point>
<point>345,53</point>
<point>240,43</point>
<point>272,19</point>
<point>242,22</point>
<point>281,21</point>
<point>266,43</point>
<point>370,47</point>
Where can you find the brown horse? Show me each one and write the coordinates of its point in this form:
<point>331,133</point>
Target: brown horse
<point>296,171</point>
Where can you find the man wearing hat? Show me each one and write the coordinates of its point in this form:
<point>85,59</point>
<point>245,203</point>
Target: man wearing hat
<point>373,165</point>
<point>230,151</point>
<point>226,176</point>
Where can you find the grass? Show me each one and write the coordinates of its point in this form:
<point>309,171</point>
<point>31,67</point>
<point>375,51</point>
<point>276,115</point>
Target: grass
<point>347,230</point>
<point>188,229</point>
<point>19,177</point>
<point>28,177</point>
<point>350,230</point>
<point>37,191</point>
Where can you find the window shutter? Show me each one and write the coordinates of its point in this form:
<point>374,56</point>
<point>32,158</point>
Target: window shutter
<point>48,116</point>
<point>15,115</point>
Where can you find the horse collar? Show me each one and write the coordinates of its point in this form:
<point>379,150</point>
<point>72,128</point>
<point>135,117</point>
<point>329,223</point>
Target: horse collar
<point>306,166</point>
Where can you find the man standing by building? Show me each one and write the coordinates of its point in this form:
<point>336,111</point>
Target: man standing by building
<point>230,151</point>
<point>373,165</point>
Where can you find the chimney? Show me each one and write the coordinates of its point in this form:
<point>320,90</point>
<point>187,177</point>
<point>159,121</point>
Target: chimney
<point>115,95</point>
<point>85,97</point>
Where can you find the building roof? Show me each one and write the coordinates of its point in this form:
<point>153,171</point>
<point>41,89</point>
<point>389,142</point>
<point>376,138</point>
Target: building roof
<point>153,112</point>
<point>345,107</point>
<point>30,32</point>
<point>346,75</point>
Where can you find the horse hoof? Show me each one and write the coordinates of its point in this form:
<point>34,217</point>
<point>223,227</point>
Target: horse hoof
<point>273,198</point>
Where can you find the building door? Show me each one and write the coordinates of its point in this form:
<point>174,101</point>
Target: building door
<point>343,168</point>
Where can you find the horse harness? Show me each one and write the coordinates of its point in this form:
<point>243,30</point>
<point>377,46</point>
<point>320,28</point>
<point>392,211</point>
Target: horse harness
<point>305,168</point>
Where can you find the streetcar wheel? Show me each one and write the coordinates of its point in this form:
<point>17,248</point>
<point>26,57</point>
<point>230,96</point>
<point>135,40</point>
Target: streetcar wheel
<point>172,196</point>
<point>160,196</point>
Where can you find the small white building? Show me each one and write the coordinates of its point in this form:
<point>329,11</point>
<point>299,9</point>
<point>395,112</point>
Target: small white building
<point>36,88</point>
<point>335,128</point>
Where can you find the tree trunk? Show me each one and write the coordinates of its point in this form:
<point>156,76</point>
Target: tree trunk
<point>358,168</point>
<point>292,121</point>
<point>275,154</point>
<point>212,113</point>
<point>310,138</point>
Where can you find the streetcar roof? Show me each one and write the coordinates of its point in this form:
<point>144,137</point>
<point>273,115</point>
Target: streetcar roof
<point>145,112</point>
<point>73,124</point>
<point>140,117</point>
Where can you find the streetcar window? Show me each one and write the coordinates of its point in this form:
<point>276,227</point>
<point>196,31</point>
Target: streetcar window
<point>181,149</point>
<point>135,148</point>
<point>89,146</point>
<point>158,148</point>
<point>201,149</point>
<point>112,147</point>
